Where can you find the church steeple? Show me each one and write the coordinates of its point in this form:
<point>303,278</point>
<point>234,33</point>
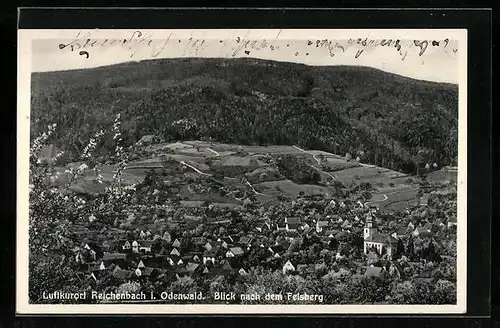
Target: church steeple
<point>369,229</point>
<point>369,221</point>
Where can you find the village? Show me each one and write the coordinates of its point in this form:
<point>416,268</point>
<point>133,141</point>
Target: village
<point>307,237</point>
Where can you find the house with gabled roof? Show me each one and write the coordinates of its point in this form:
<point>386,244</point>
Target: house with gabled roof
<point>199,241</point>
<point>176,243</point>
<point>400,233</point>
<point>208,246</point>
<point>99,274</point>
<point>173,259</point>
<point>422,231</point>
<point>175,251</point>
<point>126,245</point>
<point>329,233</point>
<point>141,264</point>
<point>196,257</point>
<point>114,256</point>
<point>146,272</point>
<point>97,266</point>
<point>245,240</point>
<point>281,226</point>
<point>346,224</point>
<point>321,224</point>
<point>292,223</point>
<point>452,222</point>
<point>209,256</point>
<point>226,266</point>
<point>235,252</point>
<point>192,267</point>
<point>123,274</point>
<point>276,250</point>
<point>288,267</point>
<point>266,226</point>
<point>135,246</point>
<point>144,246</point>
<point>187,258</point>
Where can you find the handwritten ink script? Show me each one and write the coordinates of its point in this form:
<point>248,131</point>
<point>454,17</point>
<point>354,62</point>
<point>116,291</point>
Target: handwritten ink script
<point>84,45</point>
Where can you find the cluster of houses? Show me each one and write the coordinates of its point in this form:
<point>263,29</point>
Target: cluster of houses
<point>164,257</point>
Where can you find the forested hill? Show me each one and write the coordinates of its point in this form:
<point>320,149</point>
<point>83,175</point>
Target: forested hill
<point>390,120</point>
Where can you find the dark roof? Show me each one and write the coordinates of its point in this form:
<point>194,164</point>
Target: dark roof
<point>226,266</point>
<point>391,240</point>
<point>146,243</point>
<point>277,248</point>
<point>213,272</point>
<point>123,274</point>
<point>308,230</point>
<point>114,256</point>
<point>228,240</point>
<point>95,266</point>
<point>245,240</point>
<point>147,271</point>
<point>210,253</point>
<point>175,258</point>
<point>293,226</point>
<point>92,244</point>
<point>199,240</point>
<point>422,230</point>
<point>293,220</point>
<point>155,261</point>
<point>378,238</point>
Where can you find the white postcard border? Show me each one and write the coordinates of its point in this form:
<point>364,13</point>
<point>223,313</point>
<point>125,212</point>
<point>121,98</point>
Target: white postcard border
<point>23,133</point>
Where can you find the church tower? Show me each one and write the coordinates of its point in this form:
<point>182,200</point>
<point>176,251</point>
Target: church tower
<point>369,229</point>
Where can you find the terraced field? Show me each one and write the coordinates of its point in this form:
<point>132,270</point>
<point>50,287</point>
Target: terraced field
<point>243,168</point>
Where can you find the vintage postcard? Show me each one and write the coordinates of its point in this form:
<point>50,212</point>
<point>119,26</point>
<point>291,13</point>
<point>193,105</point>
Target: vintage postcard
<point>224,171</point>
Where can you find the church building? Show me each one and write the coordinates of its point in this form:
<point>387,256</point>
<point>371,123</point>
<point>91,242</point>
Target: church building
<point>380,242</point>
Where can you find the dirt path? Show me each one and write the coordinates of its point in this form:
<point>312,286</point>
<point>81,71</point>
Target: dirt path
<point>306,152</point>
<point>213,151</point>
<point>317,161</point>
<point>392,193</point>
<point>320,170</point>
<point>255,191</point>
<point>195,169</point>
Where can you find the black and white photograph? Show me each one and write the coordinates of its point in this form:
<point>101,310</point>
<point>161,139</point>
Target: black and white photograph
<point>242,171</point>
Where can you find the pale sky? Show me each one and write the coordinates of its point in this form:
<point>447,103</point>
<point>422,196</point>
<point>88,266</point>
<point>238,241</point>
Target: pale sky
<point>439,62</point>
